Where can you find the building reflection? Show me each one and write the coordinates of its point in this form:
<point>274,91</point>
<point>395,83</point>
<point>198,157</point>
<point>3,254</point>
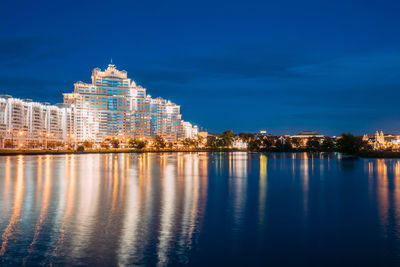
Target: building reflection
<point>6,186</point>
<point>17,204</point>
<point>397,198</point>
<point>112,208</point>
<point>263,185</point>
<point>238,188</point>
<point>387,188</point>
<point>305,179</point>
<point>382,193</point>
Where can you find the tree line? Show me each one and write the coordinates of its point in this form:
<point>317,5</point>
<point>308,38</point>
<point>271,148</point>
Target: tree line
<point>346,143</point>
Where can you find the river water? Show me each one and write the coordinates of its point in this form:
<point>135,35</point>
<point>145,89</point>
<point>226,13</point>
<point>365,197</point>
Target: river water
<point>198,209</point>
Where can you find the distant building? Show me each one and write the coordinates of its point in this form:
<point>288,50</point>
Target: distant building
<point>239,144</point>
<point>263,132</point>
<point>307,134</point>
<point>188,130</point>
<point>304,136</point>
<point>203,134</point>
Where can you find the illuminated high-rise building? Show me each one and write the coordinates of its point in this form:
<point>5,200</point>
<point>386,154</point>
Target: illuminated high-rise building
<point>113,105</point>
<point>104,107</point>
<point>165,119</point>
<point>26,122</point>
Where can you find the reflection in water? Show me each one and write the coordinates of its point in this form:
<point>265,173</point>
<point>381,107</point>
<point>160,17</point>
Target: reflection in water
<point>129,239</point>
<point>397,197</point>
<point>150,209</point>
<point>262,197</point>
<point>44,206</point>
<point>167,214</point>
<point>262,190</point>
<point>67,202</point>
<point>383,193</point>
<point>305,182</point>
<point>11,228</point>
<point>384,179</point>
<point>238,187</point>
<point>114,209</point>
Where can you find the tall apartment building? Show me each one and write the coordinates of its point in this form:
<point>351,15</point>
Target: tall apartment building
<point>104,107</point>
<point>24,121</point>
<point>188,130</point>
<point>165,119</point>
<point>113,105</point>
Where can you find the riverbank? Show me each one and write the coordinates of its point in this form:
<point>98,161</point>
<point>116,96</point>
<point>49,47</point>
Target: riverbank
<point>14,152</point>
<point>379,154</point>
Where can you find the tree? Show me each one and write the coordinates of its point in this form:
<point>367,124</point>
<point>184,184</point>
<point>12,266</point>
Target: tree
<point>267,142</point>
<point>114,143</point>
<point>278,145</point>
<point>87,144</point>
<point>287,146</point>
<point>211,141</point>
<point>296,142</point>
<point>327,145</point>
<point>137,143</point>
<point>188,142</point>
<point>159,142</point>
<point>350,145</point>
<point>313,144</point>
<point>200,140</point>
<point>221,142</point>
<point>8,144</point>
<point>170,145</point>
<point>104,144</point>
<point>227,137</point>
<point>255,145</point>
<point>247,137</point>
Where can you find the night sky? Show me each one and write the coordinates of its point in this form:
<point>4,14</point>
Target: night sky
<point>282,66</point>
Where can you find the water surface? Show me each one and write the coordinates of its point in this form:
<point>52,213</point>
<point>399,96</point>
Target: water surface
<point>198,209</point>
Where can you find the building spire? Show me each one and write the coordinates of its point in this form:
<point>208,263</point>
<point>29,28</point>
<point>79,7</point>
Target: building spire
<point>111,65</point>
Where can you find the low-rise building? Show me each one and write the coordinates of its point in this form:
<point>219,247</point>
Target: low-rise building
<point>27,123</point>
<point>304,136</point>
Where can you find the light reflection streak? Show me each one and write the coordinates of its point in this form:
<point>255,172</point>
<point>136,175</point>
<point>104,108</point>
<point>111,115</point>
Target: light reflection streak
<point>39,180</point>
<point>191,188</point>
<point>238,184</point>
<point>17,207</point>
<point>370,176</point>
<point>44,206</point>
<point>263,184</point>
<point>167,215</point>
<point>305,183</point>
<point>7,185</point>
<point>397,198</point>
<point>87,196</point>
<point>69,201</point>
<point>129,234</point>
<point>383,193</point>
<point>82,198</point>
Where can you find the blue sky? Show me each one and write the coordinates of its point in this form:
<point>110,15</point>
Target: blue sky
<point>283,66</point>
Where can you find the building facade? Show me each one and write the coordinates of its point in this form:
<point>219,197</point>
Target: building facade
<point>24,122</point>
<point>113,105</point>
<point>104,107</point>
